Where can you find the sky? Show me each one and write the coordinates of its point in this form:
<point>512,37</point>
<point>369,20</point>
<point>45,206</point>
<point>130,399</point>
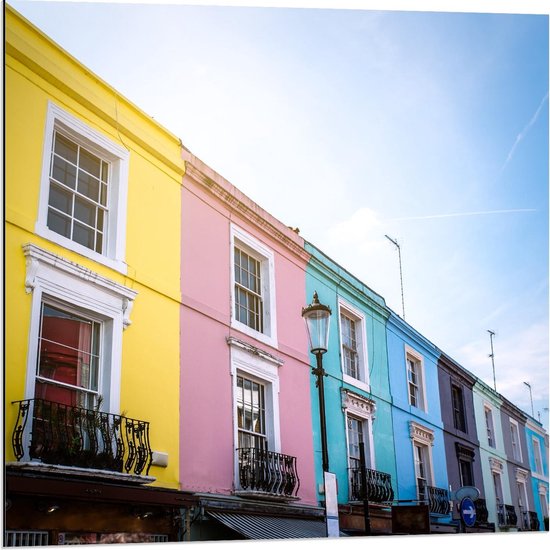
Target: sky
<point>430,127</point>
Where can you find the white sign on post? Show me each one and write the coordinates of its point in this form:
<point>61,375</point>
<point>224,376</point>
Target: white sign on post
<point>331,505</point>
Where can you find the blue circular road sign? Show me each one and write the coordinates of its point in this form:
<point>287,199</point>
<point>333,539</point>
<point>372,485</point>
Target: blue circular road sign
<point>468,511</point>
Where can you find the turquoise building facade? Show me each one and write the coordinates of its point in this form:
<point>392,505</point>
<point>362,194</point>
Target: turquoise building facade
<point>537,451</point>
<point>357,392</point>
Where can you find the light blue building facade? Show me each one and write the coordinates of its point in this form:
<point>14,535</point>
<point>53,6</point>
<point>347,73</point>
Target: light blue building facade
<point>417,422</point>
<point>357,393</point>
<point>537,451</point>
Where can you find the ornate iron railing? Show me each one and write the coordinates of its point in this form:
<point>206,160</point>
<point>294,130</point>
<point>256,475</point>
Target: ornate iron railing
<point>506,515</point>
<point>530,521</point>
<point>482,513</point>
<point>378,488</point>
<point>437,499</point>
<point>268,472</point>
<point>73,436</point>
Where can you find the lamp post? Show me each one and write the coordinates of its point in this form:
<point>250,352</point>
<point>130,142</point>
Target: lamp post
<point>317,316</point>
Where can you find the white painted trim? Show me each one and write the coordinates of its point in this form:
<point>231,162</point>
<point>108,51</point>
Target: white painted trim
<point>537,453</point>
<point>267,373</point>
<point>54,279</point>
<point>420,358</point>
<point>360,318</point>
<point>118,157</point>
<point>515,426</point>
<point>363,408</point>
<point>267,261</point>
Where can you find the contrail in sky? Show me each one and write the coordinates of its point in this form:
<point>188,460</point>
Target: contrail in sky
<point>461,214</point>
<point>523,133</point>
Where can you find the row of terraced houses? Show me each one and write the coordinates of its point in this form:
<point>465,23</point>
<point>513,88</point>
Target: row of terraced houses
<point>158,377</point>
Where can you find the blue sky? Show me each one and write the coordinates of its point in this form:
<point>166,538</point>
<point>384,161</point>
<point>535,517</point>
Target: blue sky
<point>429,127</point>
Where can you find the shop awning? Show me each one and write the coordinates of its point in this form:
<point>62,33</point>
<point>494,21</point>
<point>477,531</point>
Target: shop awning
<point>271,527</point>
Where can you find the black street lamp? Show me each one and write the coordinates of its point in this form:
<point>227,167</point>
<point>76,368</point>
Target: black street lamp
<point>317,317</point>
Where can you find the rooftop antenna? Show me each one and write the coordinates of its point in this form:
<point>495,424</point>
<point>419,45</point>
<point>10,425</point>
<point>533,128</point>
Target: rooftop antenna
<point>492,356</point>
<point>394,241</point>
<point>531,395</point>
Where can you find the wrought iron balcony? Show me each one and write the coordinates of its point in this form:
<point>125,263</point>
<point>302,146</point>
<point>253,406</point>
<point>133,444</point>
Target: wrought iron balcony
<point>530,521</point>
<point>506,515</point>
<point>266,472</point>
<point>437,499</point>
<point>59,434</point>
<point>378,487</point>
<point>482,513</point>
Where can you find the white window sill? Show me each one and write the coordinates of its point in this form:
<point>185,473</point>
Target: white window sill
<point>117,265</point>
<point>265,338</point>
<point>357,383</point>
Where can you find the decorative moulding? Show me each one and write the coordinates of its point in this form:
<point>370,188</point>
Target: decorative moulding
<point>357,404</point>
<point>421,433</point>
<point>496,465</point>
<point>522,475</point>
<point>235,342</point>
<point>39,262</point>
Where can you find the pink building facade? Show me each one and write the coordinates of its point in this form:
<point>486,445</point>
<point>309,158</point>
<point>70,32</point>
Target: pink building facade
<point>246,426</point>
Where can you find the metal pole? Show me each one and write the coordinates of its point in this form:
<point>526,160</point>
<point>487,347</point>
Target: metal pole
<point>394,241</point>
<point>492,356</point>
<point>531,396</point>
<point>320,373</point>
<point>365,491</point>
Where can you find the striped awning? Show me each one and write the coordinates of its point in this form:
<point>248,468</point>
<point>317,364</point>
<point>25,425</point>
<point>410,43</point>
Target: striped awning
<point>271,527</point>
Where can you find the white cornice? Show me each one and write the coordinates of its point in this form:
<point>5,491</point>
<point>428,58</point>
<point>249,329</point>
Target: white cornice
<point>358,404</point>
<point>421,433</point>
<point>496,465</point>
<point>235,342</point>
<point>251,212</point>
<point>38,261</point>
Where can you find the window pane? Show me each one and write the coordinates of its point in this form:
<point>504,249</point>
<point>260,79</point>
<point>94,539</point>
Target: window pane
<point>63,172</point>
<point>61,199</point>
<point>66,148</point>
<point>90,163</point>
<point>67,355</point>
<point>88,186</point>
<point>83,235</point>
<point>250,413</point>
<point>85,211</point>
<point>79,170</point>
<point>59,223</point>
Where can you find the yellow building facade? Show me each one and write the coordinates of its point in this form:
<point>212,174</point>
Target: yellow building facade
<point>92,243</point>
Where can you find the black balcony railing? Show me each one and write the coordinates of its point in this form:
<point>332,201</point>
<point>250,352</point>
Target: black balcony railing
<point>507,516</point>
<point>54,433</point>
<point>437,499</point>
<point>482,513</point>
<point>378,488</point>
<point>534,523</point>
<point>268,472</point>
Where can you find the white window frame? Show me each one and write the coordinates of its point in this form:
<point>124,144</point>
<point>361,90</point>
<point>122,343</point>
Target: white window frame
<point>265,256</point>
<point>489,418</point>
<point>421,436</point>
<point>114,240</point>
<point>419,359</point>
<point>354,314</point>
<point>515,440</point>
<point>537,455</point>
<point>543,499</point>
<point>261,367</point>
<point>53,279</point>
<point>363,409</point>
